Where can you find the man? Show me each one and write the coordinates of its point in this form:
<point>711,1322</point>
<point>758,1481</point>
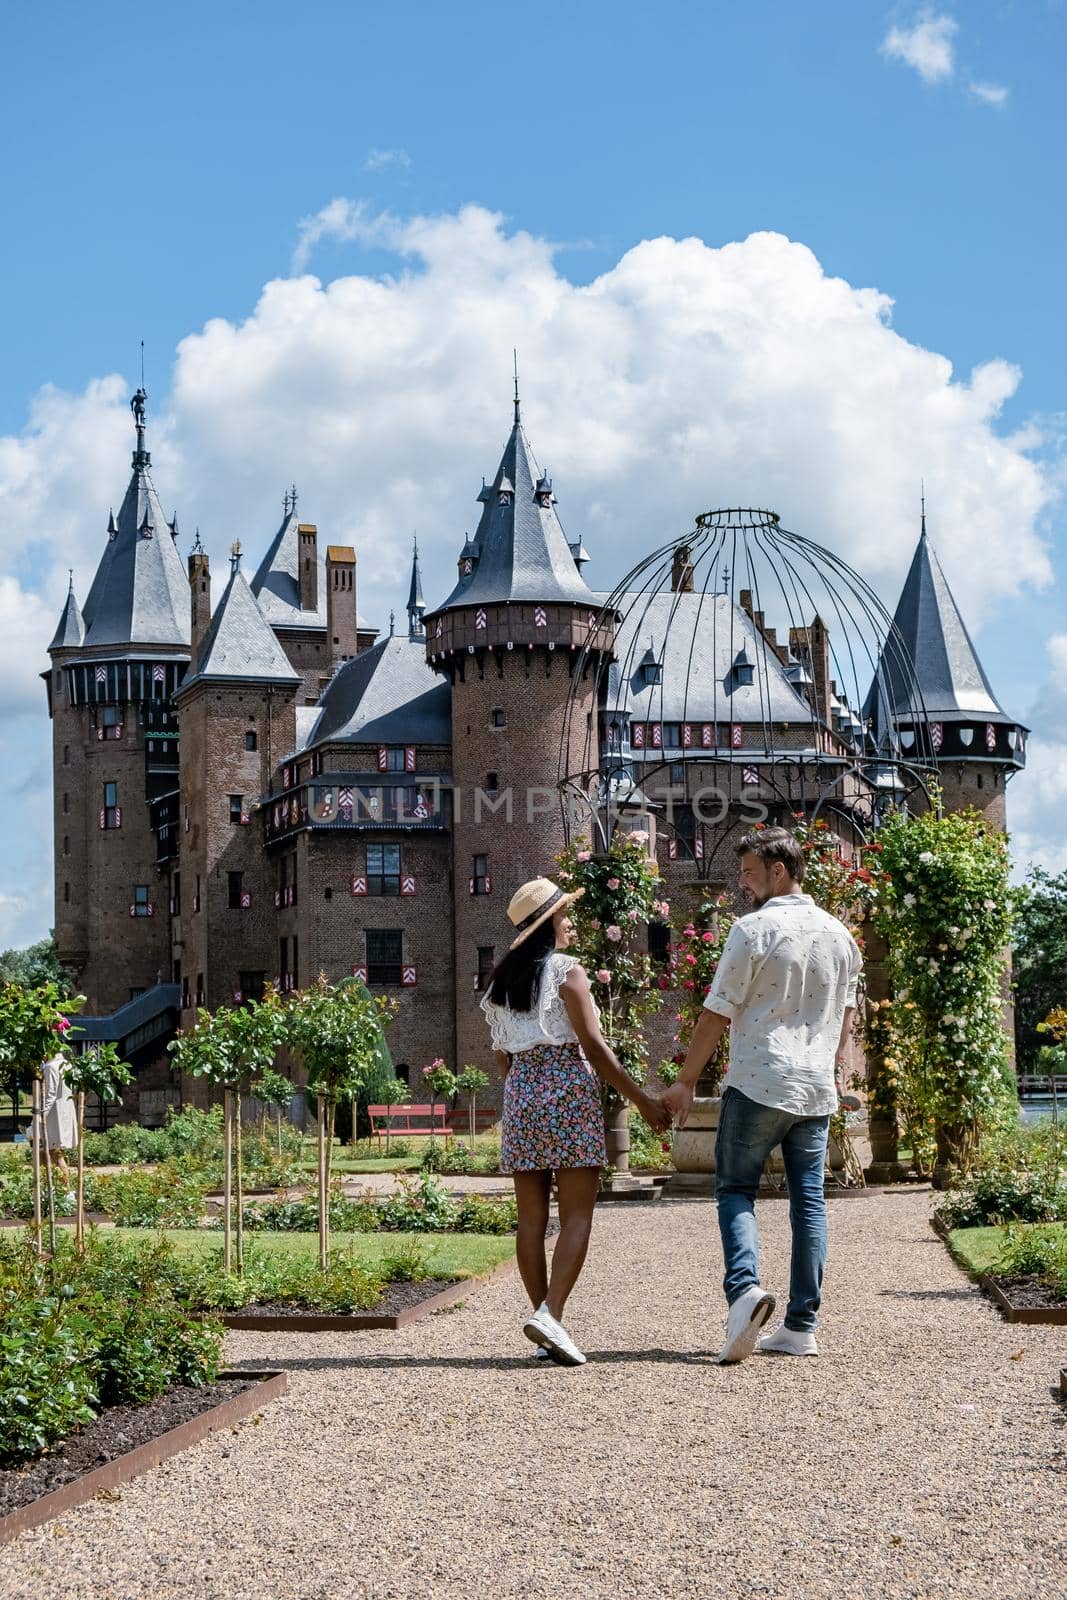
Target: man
<point>786,989</point>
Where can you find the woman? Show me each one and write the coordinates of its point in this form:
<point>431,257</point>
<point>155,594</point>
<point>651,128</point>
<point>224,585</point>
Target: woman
<point>546,1033</point>
<point>57,1119</point>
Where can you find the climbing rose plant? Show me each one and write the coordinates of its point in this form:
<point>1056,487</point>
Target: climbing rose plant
<point>695,955</point>
<point>622,891</point>
<point>945,913</point>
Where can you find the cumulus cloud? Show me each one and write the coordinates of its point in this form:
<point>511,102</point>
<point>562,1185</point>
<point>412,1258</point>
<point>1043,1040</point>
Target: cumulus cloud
<point>380,160</point>
<point>927,45</point>
<point>990,94</point>
<point>685,376</point>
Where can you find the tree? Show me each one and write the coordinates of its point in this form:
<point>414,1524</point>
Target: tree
<point>34,965</point>
<point>275,1090</point>
<point>232,1048</point>
<point>1039,958</point>
<point>441,1082</point>
<point>393,1092</point>
<point>100,1071</point>
<point>336,1031</point>
<point>33,1025</point>
<point>472,1080</point>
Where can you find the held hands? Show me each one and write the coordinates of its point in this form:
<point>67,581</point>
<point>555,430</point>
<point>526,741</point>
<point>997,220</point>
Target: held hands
<point>678,1102</point>
<point>654,1111</point>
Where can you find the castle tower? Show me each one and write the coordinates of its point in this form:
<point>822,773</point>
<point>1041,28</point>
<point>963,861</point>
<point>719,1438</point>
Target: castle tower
<point>114,670</point>
<point>508,638</point>
<point>978,746</point>
<point>237,717</point>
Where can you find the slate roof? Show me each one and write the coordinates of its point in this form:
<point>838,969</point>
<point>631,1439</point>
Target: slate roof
<point>523,553</point>
<point>696,637</point>
<point>240,643</point>
<point>388,694</point>
<point>276,584</point>
<point>953,682</point>
<point>140,594</point>
<point>71,630</point>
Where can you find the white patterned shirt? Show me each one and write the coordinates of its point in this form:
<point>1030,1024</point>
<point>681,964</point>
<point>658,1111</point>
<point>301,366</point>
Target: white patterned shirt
<point>788,970</point>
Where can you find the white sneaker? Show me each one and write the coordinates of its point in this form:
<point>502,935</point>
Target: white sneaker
<point>745,1318</point>
<point>789,1342</point>
<point>544,1330</point>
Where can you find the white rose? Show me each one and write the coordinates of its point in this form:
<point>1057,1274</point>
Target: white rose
<point>926,856</point>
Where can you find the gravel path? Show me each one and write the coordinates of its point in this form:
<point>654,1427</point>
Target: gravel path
<point>923,1455</point>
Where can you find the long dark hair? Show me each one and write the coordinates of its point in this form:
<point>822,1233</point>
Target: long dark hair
<point>516,978</point>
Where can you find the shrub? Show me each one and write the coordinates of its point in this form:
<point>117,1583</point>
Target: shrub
<point>480,1213</point>
<point>81,1332</point>
<point>459,1159</point>
<point>420,1205</point>
<point>1035,1253</point>
<point>648,1149</point>
<point>346,1285</point>
<point>406,1264</point>
<point>1019,1176</point>
<point>126,1144</point>
<point>302,1216</point>
<point>165,1197</point>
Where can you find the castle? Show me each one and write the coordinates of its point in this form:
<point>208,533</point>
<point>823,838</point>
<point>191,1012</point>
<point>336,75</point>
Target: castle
<point>263,789</point>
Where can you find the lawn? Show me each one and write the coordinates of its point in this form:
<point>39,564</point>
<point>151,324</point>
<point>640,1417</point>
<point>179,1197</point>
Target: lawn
<point>361,1164</point>
<point>451,1255</point>
<point>978,1248</point>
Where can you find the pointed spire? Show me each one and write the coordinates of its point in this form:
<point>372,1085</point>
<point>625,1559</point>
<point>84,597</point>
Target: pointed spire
<point>173,526</point>
<point>197,549</point>
<point>235,555</point>
<point>515,363</point>
<point>922,492</point>
<point>930,627</point>
<point>112,525</point>
<point>70,632</point>
<point>522,551</point>
<point>416,604</point>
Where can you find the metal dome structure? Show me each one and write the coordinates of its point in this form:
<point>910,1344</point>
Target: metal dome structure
<point>755,676</point>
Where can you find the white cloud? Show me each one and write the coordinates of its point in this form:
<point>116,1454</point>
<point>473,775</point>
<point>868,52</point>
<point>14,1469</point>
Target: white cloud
<point>991,94</point>
<point>379,160</point>
<point>1037,798</point>
<point>927,45</point>
<point>683,377</point>
<point>343,220</point>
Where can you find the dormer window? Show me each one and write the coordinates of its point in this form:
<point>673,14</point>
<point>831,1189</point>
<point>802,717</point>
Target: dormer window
<point>504,497</point>
<point>741,672</point>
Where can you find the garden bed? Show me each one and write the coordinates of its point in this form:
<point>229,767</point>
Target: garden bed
<point>400,1305</point>
<point>125,1441</point>
<point>1025,1299</point>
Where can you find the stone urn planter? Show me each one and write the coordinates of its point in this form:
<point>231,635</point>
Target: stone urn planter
<point>693,1152</point>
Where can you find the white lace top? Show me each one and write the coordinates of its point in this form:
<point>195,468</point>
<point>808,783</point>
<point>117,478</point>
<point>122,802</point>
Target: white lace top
<point>546,1022</point>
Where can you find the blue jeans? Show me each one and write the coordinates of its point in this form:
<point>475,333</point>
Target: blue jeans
<point>748,1132</point>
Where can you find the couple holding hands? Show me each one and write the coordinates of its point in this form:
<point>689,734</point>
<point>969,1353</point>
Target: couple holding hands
<point>785,987</point>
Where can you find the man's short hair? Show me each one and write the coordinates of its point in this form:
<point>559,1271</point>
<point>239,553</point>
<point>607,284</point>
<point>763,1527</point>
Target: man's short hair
<point>774,844</point>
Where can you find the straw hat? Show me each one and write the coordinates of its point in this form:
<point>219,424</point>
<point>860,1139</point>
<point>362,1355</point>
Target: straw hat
<point>534,903</point>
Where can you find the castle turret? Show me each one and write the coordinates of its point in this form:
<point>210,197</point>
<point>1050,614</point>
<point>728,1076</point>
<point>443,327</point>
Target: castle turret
<point>977,744</point>
<point>509,638</point>
<point>114,669</point>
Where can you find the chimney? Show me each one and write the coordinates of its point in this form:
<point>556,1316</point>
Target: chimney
<point>812,646</point>
<point>308,545</point>
<point>341,637</point>
<point>199,599</point>
<point>682,570</point>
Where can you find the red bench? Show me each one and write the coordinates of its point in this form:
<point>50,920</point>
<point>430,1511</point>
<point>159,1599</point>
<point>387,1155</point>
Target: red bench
<point>409,1122</point>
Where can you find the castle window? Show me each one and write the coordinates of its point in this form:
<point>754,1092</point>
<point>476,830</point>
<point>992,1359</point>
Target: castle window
<point>250,744</point>
<point>236,806</point>
<point>176,895</point>
<point>486,963</point>
<point>196,896</point>
<point>385,955</point>
<point>185,992</point>
<point>66,804</point>
<point>659,942</point>
<point>250,985</point>
<point>141,906</point>
<point>492,783</point>
<point>498,718</point>
<point>66,755</point>
<point>383,869</point>
<point>111,816</point>
<point>327,893</point>
<point>66,844</point>
<point>111,716</point>
<point>66,893</point>
<point>480,880</point>
<point>235,883</point>
<point>201,995</point>
<point>980,785</point>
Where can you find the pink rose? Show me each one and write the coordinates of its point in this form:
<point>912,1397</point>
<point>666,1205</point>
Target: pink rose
<point>688,984</point>
<point>614,933</point>
<point>633,915</point>
<point>613,883</point>
<point>692,960</point>
<point>564,877</point>
<point>594,922</point>
<point>603,975</point>
<point>689,932</point>
<point>584,855</point>
<point>639,836</point>
<point>708,938</point>
<point>63,1026</point>
<point>664,983</point>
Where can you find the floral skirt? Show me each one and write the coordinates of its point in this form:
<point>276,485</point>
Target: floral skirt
<point>552,1111</point>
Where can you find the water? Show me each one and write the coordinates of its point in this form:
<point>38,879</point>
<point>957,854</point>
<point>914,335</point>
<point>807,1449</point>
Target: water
<point>1035,1108</point>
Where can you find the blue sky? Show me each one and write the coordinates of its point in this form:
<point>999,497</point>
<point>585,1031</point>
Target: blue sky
<point>160,163</point>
